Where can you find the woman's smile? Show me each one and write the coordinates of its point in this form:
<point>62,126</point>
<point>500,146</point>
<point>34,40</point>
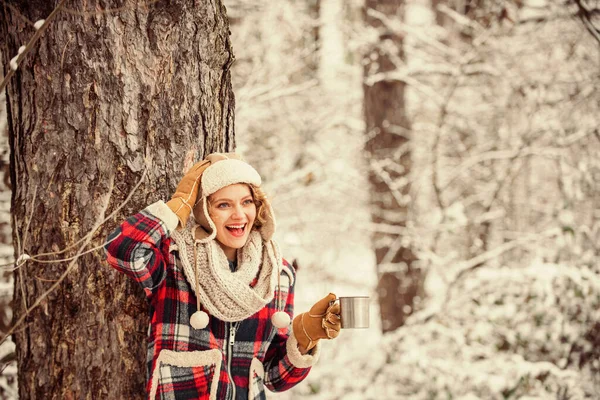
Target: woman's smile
<point>236,230</point>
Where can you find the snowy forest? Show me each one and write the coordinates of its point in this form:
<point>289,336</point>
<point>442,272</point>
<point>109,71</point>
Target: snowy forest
<point>440,157</point>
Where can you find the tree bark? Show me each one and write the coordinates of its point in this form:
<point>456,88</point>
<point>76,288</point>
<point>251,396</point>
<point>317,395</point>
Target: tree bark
<point>103,95</point>
<point>388,151</point>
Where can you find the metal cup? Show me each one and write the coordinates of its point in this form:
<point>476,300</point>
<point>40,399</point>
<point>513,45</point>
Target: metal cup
<point>354,312</point>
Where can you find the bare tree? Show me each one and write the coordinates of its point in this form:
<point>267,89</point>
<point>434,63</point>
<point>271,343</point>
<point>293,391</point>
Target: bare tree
<point>113,91</point>
<point>387,148</point>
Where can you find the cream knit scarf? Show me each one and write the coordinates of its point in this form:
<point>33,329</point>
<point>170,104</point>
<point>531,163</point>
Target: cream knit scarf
<point>228,295</point>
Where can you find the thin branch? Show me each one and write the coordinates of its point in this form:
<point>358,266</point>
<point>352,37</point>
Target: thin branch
<point>404,29</point>
<point>465,61</point>
<point>36,257</point>
<point>475,263</point>
<point>512,155</point>
<point>63,259</point>
<point>460,19</point>
<point>385,177</point>
<point>439,196</point>
<point>502,182</point>
<point>47,21</point>
<point>31,43</point>
<point>91,233</point>
<point>586,17</point>
<point>391,252</point>
<point>287,91</point>
<point>397,76</point>
<point>71,258</point>
<point>62,57</point>
<point>71,266</point>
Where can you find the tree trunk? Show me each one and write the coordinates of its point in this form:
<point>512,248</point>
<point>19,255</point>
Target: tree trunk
<point>331,47</point>
<point>387,149</point>
<point>102,96</point>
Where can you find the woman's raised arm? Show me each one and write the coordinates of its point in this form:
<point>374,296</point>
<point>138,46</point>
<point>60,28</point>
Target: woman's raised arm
<point>140,246</point>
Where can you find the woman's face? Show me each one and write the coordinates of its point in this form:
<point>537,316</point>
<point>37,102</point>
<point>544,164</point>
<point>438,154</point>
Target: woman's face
<point>233,211</point>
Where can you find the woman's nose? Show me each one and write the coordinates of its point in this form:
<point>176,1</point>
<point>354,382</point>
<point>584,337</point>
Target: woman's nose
<point>238,212</point>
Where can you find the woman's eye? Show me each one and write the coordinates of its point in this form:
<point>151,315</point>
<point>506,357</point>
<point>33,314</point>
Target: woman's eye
<point>222,205</point>
<point>248,201</point>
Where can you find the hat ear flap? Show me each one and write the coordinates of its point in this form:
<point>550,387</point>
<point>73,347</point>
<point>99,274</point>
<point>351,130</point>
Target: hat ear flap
<point>206,230</point>
<point>267,230</point>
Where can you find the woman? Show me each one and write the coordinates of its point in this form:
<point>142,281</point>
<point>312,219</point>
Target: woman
<point>220,294</point>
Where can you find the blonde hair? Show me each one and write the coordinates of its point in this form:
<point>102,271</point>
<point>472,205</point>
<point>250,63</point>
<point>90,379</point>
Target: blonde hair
<point>260,200</point>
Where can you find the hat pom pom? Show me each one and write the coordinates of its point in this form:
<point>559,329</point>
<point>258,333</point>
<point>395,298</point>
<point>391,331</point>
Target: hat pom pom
<point>199,320</point>
<point>280,319</point>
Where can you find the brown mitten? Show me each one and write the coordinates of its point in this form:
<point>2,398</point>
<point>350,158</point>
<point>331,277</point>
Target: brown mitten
<point>321,322</point>
<point>186,193</point>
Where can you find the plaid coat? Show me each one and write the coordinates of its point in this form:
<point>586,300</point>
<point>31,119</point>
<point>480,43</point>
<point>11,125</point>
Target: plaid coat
<point>225,360</point>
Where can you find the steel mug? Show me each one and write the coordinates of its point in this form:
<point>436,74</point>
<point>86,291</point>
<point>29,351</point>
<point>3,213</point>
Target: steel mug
<point>354,312</point>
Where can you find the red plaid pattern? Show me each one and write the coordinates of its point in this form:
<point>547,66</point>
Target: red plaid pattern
<point>189,383</point>
<point>188,368</point>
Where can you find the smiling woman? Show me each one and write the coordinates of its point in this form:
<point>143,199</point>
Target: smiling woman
<point>222,296</point>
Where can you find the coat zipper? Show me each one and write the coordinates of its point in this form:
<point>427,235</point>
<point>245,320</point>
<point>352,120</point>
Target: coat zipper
<point>233,326</point>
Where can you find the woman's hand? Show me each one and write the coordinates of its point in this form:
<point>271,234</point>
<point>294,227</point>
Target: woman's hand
<point>186,193</point>
<point>321,322</point>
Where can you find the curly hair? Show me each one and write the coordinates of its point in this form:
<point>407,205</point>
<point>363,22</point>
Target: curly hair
<point>261,210</point>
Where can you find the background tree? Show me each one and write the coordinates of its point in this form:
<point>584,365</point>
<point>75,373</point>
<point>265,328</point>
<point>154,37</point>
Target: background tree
<point>388,150</point>
<point>113,93</point>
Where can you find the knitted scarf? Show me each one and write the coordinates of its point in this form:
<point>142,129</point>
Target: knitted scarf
<point>229,295</point>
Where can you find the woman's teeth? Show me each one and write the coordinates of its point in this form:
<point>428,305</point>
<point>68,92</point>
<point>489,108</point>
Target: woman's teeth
<point>236,230</point>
